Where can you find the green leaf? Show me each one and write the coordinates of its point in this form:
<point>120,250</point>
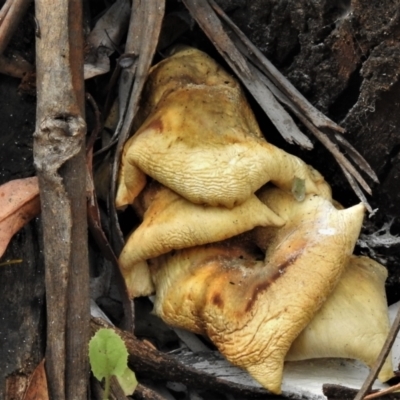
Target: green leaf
<point>299,189</point>
<point>107,354</point>
<point>128,381</point>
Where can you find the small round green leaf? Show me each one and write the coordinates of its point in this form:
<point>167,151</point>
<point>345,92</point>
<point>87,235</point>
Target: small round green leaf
<point>107,354</point>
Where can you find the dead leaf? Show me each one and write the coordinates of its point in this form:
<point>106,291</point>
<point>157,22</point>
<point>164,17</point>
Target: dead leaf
<point>37,388</point>
<point>19,203</point>
<point>104,38</point>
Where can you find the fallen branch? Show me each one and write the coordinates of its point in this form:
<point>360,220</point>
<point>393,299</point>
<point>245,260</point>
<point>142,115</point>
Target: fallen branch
<point>161,366</point>
<point>59,157</point>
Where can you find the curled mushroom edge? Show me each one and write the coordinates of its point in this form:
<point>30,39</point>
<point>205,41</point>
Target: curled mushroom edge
<point>171,222</point>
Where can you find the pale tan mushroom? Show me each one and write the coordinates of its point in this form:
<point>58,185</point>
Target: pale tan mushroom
<point>201,139</point>
<point>138,279</point>
<point>170,222</point>
<point>198,137</point>
<point>131,182</point>
<point>253,311</point>
<point>353,322</point>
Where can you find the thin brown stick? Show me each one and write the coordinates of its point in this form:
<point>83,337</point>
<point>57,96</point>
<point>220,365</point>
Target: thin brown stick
<point>59,156</point>
<point>357,189</point>
<point>333,149</point>
<point>383,392</point>
<point>366,387</point>
<point>16,67</point>
<point>356,156</point>
<point>97,127</point>
<point>5,9</point>
<point>339,392</point>
<point>13,15</point>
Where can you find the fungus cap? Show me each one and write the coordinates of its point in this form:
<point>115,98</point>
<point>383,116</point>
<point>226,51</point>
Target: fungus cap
<point>200,138</point>
<point>253,311</point>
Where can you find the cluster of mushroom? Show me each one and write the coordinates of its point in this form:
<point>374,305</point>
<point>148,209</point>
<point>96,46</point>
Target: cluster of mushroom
<point>239,240</point>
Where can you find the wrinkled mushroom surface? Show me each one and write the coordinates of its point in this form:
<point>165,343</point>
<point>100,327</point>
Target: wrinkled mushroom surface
<point>200,139</point>
<point>253,310</point>
<point>353,322</point>
<point>171,222</point>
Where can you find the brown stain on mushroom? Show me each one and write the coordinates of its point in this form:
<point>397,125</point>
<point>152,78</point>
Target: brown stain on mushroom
<point>279,271</point>
<point>217,300</point>
<point>266,304</point>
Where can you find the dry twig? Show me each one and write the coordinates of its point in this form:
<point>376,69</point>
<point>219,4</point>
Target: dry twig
<point>366,387</point>
<point>382,392</point>
<point>59,156</point>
